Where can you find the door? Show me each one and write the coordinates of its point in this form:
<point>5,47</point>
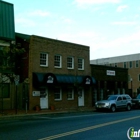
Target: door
<point>81,97</point>
<point>44,100</point>
<point>119,102</point>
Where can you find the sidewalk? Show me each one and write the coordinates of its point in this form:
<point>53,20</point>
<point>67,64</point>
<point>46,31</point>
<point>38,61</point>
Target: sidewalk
<point>23,113</point>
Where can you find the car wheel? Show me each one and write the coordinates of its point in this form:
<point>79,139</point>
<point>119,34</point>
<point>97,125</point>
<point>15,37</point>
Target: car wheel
<point>128,107</point>
<point>113,108</point>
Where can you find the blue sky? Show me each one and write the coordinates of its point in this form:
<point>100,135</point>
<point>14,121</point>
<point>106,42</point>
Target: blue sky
<point>109,27</point>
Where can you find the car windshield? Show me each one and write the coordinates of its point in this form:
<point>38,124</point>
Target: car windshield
<point>138,97</point>
<point>111,97</point>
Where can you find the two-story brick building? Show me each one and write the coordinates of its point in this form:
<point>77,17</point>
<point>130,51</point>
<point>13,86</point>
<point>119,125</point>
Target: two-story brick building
<point>59,72</point>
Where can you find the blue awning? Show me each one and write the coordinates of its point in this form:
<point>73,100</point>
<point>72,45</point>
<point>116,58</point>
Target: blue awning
<point>69,79</point>
<point>44,79</point>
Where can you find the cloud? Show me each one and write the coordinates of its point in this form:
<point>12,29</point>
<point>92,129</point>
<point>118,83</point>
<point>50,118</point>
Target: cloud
<point>25,22</point>
<point>39,13</point>
<point>124,23</point>
<point>88,2</point>
<point>121,8</point>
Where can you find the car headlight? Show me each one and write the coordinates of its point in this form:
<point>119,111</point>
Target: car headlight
<point>107,104</point>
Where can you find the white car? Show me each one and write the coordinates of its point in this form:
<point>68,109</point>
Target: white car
<point>114,102</point>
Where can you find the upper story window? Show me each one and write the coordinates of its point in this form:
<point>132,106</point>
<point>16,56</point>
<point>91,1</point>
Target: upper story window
<point>130,64</point>
<point>125,65</point>
<point>58,61</point>
<point>70,62</point>
<point>80,64</point>
<point>43,59</point>
<point>136,63</point>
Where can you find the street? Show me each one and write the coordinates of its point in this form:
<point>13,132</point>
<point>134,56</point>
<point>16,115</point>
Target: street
<point>71,126</point>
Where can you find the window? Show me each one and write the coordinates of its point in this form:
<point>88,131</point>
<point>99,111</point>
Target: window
<point>57,94</point>
<point>70,62</point>
<point>43,59</point>
<point>130,64</point>
<point>57,61</point>
<point>137,64</point>
<point>139,77</point>
<point>80,64</point>
<point>115,64</point>
<point>5,90</point>
<point>70,95</point>
<point>125,65</point>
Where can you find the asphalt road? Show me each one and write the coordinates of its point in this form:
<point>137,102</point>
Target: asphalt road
<point>73,126</point>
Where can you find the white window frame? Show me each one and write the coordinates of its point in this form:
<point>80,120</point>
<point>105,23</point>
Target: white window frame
<point>81,64</point>
<point>45,59</point>
<point>58,60</point>
<point>70,64</point>
<point>70,91</point>
<point>58,93</point>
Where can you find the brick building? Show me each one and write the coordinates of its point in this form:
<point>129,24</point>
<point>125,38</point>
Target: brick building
<point>109,80</point>
<point>132,62</point>
<point>59,72</point>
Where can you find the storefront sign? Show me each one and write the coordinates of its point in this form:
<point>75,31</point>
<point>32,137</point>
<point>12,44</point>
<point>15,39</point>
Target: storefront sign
<point>36,93</point>
<point>50,79</point>
<point>110,72</point>
<point>88,81</point>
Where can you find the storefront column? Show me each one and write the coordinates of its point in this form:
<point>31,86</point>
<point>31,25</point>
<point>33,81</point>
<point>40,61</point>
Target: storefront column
<point>98,91</point>
<point>105,89</point>
<point>116,87</point>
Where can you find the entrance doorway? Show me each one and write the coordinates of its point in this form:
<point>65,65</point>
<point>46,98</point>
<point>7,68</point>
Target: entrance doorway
<point>81,97</point>
<point>44,100</point>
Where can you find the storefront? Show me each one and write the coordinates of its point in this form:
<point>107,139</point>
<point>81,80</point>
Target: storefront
<point>109,80</point>
<point>62,91</point>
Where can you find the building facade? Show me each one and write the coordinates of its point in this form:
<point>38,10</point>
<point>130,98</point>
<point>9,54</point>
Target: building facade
<point>132,62</point>
<point>59,73</point>
<point>109,80</point>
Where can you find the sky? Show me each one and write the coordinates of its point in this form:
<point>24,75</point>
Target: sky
<point>109,27</point>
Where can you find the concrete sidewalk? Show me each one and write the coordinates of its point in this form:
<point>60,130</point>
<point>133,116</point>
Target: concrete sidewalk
<point>7,114</point>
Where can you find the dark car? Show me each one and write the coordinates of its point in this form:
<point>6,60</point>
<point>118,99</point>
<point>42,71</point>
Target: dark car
<point>136,102</point>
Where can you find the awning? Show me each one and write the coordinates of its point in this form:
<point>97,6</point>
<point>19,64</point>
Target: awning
<point>69,79</point>
<point>42,79</point>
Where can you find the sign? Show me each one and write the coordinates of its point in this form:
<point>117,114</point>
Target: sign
<point>50,79</point>
<point>110,72</point>
<point>88,81</point>
<point>36,93</point>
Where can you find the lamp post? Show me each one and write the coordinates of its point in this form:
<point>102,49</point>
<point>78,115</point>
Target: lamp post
<point>131,86</point>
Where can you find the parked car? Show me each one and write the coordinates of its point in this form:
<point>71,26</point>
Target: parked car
<point>114,102</point>
<point>136,102</point>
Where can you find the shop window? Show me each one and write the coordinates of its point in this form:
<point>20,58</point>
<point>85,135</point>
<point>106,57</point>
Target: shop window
<point>5,90</point>
<point>70,95</point>
<point>80,64</point>
<point>57,61</point>
<point>137,64</point>
<point>43,59</point>
<point>139,77</point>
<point>70,62</point>
<point>57,94</point>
